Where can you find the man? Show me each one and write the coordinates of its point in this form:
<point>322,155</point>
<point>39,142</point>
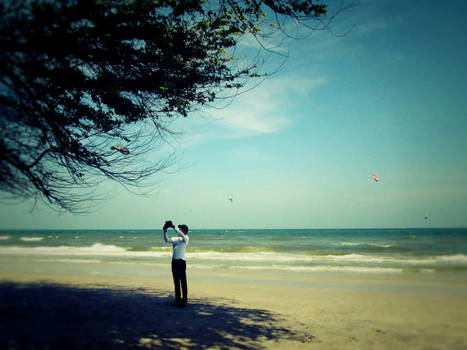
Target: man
<point>178,261</point>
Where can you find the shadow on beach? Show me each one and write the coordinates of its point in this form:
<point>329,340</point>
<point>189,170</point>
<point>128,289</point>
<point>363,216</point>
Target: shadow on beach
<point>44,315</point>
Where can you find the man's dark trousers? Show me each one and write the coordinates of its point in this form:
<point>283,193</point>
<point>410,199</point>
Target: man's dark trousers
<point>179,275</point>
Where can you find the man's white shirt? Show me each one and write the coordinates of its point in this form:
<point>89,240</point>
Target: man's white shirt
<point>178,243</point>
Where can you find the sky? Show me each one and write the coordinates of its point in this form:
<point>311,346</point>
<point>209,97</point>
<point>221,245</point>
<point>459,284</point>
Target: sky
<point>388,98</point>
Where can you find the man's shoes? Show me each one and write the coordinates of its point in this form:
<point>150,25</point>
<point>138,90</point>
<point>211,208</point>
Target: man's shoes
<point>180,304</point>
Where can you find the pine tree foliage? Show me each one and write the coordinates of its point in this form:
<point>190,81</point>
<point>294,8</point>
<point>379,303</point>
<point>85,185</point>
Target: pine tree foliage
<point>81,76</point>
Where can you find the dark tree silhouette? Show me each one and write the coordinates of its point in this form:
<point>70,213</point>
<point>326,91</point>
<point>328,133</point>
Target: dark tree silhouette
<point>81,76</point>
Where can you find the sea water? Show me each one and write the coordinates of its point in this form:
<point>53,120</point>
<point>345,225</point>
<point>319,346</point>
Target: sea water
<point>144,252</point>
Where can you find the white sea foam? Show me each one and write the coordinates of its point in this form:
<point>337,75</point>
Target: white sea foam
<point>341,259</point>
<point>3,238</point>
<point>457,258</point>
<point>266,258</point>
<point>328,268</point>
<point>352,257</point>
<point>348,244</point>
<point>31,239</point>
<point>67,261</point>
<point>96,249</point>
<point>353,244</point>
<point>320,268</point>
<point>258,256</point>
<point>382,245</point>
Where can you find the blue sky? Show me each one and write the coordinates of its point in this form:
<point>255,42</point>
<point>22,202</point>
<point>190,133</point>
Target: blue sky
<point>388,98</point>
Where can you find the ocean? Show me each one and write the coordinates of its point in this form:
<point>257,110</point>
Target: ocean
<point>304,251</point>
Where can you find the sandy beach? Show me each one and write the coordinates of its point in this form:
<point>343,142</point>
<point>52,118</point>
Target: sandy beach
<point>243,311</point>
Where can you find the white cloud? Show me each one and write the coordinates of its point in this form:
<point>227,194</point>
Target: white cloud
<point>255,114</point>
<point>264,110</point>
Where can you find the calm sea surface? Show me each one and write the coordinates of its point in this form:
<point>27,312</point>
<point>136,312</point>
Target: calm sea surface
<point>418,251</point>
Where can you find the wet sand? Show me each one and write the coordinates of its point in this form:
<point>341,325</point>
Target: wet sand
<point>233,311</point>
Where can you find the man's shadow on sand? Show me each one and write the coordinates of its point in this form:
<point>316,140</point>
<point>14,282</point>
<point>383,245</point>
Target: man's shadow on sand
<point>42,315</point>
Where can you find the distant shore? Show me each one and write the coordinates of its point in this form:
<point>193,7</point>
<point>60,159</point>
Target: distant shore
<point>245,311</point>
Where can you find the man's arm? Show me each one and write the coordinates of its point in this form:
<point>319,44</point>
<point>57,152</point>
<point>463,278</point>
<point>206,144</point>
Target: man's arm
<point>166,238</point>
<point>181,234</point>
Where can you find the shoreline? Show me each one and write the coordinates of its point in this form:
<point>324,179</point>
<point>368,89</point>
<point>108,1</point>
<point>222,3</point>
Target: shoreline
<point>244,312</point>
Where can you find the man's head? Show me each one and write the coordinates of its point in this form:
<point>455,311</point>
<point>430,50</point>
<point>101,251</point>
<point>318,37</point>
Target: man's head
<point>183,228</point>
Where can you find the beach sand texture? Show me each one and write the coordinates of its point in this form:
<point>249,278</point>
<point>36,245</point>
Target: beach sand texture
<point>53,311</point>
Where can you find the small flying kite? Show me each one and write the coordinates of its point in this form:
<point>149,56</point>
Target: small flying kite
<point>375,177</point>
<point>122,149</point>
<point>230,198</point>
